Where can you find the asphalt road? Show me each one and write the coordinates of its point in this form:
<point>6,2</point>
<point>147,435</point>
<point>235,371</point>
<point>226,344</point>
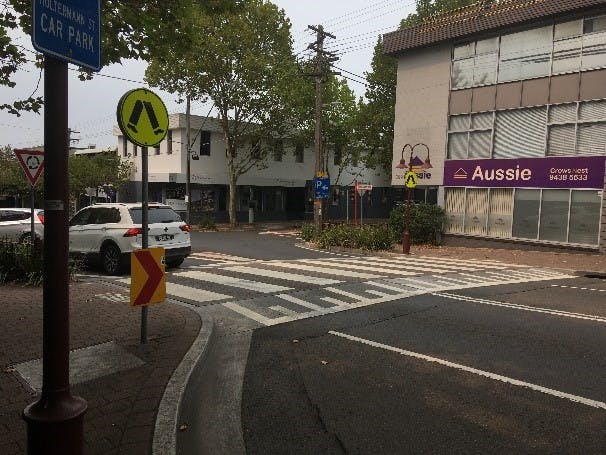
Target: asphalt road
<point>251,244</point>
<point>501,369</point>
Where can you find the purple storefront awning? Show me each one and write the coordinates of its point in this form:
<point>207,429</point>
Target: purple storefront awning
<point>549,172</point>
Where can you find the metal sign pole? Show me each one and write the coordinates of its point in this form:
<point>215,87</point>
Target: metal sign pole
<point>32,233</point>
<point>144,228</point>
<point>362,207</point>
<point>55,421</point>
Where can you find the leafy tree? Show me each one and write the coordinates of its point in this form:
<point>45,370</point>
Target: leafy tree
<point>97,171</point>
<point>241,59</point>
<point>427,8</point>
<point>374,125</point>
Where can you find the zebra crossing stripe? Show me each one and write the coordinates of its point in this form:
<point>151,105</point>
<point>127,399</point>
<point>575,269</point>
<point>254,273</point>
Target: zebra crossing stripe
<point>256,286</point>
<point>281,275</point>
<point>303,303</point>
<point>412,265</point>
<point>187,292</point>
<point>285,311</point>
<point>324,270</point>
<point>470,262</point>
<point>347,294</point>
<point>366,267</point>
<point>254,315</point>
<point>220,256</point>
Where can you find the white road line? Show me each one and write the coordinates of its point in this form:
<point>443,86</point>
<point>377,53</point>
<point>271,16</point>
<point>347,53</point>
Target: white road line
<point>478,263</point>
<point>379,293</point>
<point>411,264</point>
<point>221,256</point>
<point>257,286</point>
<point>515,306</point>
<point>303,303</point>
<point>351,295</point>
<point>473,278</point>
<point>449,279</point>
<point>486,374</point>
<point>339,303</point>
<point>399,289</point>
<point>574,287</point>
<point>415,283</point>
<point>255,316</point>
<point>283,310</point>
<point>363,268</point>
<point>282,275</point>
<point>188,292</point>
<point>323,270</point>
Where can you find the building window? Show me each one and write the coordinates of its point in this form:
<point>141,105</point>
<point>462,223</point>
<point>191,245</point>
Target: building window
<point>169,142</point>
<point>299,153</point>
<point>584,223</point>
<point>157,149</point>
<point>338,157</point>
<point>135,150</point>
<point>525,54</point>
<point>475,63</point>
<point>520,133</point>
<point>577,129</point>
<point>470,136</point>
<point>205,143</point>
<point>278,149</point>
<point>574,45</point>
<point>124,147</point>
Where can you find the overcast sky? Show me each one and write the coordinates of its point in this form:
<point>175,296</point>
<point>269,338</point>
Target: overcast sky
<point>92,104</point>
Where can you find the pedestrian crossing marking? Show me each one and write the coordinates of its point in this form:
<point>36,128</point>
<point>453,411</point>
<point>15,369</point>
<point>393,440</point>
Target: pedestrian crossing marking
<point>257,286</point>
<point>366,267</point>
<point>187,292</point>
<point>324,270</point>
<point>303,303</point>
<point>281,275</point>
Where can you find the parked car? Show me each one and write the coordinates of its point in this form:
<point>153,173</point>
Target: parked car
<point>108,233</point>
<point>15,224</point>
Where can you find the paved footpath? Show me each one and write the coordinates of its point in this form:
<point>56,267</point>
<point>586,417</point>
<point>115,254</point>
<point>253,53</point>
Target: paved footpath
<point>123,400</point>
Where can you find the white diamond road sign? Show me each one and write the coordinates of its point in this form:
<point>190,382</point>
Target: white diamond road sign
<point>68,30</point>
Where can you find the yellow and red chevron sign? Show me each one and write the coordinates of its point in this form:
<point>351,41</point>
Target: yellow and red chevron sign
<point>147,277</point>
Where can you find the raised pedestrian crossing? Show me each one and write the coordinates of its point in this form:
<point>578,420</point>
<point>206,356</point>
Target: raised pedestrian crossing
<point>275,291</point>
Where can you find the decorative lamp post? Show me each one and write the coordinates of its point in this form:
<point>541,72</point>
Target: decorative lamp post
<point>403,165</point>
<point>406,233</point>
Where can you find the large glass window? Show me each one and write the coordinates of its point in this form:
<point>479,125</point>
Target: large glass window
<point>454,203</point>
<point>584,217</point>
<point>520,133</point>
<point>499,212</point>
<point>476,209</point>
<point>574,45</point>
<point>470,136</point>
<point>554,215</point>
<point>577,129</point>
<point>525,54</point>
<point>526,213</point>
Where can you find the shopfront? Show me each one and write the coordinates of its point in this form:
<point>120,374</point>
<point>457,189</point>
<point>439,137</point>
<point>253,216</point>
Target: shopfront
<point>551,199</point>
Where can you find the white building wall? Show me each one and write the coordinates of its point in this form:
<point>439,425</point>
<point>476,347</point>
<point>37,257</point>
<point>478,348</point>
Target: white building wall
<point>421,111</point>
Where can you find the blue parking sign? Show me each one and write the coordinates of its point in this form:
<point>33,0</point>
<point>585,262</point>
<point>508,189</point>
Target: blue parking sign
<point>69,30</point>
<point>321,187</point>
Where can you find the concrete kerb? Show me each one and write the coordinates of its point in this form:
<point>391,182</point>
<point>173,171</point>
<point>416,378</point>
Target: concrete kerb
<point>165,431</point>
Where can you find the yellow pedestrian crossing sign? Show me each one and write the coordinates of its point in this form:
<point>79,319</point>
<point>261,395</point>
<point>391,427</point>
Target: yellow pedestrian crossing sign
<point>142,117</point>
<point>411,179</point>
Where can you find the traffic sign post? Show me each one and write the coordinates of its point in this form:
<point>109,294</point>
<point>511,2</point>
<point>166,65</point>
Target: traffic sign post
<point>148,278</point>
<point>32,163</point>
<point>143,119</point>
<point>361,189</point>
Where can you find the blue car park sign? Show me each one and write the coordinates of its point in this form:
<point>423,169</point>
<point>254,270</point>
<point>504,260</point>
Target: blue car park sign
<point>322,187</point>
<point>69,30</point>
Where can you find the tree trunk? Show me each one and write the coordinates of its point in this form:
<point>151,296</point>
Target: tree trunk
<point>232,201</point>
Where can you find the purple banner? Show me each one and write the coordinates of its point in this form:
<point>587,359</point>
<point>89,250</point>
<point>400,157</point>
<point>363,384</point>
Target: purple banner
<point>549,172</point>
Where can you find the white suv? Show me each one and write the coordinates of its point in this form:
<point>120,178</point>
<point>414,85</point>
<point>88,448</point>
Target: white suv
<point>15,224</point>
<point>108,233</point>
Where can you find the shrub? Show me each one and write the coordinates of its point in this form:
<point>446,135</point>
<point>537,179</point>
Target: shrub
<point>308,232</point>
<point>17,264</point>
<point>208,222</point>
<point>368,237</point>
<point>426,221</point>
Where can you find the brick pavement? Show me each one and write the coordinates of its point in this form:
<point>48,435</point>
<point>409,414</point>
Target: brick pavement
<point>122,406</point>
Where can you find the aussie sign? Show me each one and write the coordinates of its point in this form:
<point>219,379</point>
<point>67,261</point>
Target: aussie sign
<point>551,172</point>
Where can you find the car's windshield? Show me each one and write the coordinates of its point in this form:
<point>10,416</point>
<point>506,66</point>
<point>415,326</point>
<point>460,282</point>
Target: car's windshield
<point>155,215</point>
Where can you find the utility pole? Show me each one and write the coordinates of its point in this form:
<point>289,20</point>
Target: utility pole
<point>321,71</point>
<point>188,171</point>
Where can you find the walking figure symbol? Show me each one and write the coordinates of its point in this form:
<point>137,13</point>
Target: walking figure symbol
<point>136,115</point>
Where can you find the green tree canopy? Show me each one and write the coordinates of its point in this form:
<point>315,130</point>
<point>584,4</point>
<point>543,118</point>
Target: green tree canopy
<point>241,59</point>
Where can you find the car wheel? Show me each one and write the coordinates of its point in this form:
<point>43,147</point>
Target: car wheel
<point>173,263</point>
<point>111,259</point>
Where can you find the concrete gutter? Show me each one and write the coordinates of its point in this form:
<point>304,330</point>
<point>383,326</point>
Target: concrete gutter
<point>165,431</point>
